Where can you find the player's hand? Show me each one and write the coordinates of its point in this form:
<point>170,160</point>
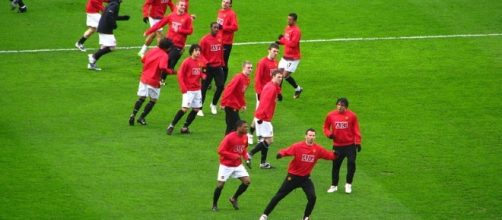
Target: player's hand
<point>145,19</point>
<point>279,97</point>
<point>280,36</point>
<point>193,16</point>
<point>248,164</point>
<point>332,136</point>
<point>278,156</point>
<point>259,121</point>
<point>359,148</point>
<point>163,82</point>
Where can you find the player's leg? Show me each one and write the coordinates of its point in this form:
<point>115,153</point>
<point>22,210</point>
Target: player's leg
<point>22,6</point>
<point>174,56</point>
<point>227,48</point>
<point>231,118</point>
<point>217,194</point>
<point>242,174</point>
<point>148,42</point>
<point>219,80</point>
<point>309,190</point>
<point>224,173</point>
<point>210,72</point>
<point>185,105</point>
<point>351,167</point>
<point>92,21</point>
<point>289,184</point>
<point>337,163</point>
<point>195,104</point>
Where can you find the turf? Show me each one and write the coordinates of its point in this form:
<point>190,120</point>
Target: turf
<point>429,111</point>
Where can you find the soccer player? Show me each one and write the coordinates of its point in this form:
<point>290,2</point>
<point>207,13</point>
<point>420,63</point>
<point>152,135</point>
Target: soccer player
<point>291,58</point>
<point>264,70</point>
<point>153,76</point>
<point>93,10</point>
<point>190,75</point>
<point>180,26</point>
<point>305,155</point>
<point>234,99</point>
<point>342,127</point>
<point>227,21</point>
<point>232,150</point>
<point>18,3</point>
<point>263,117</point>
<point>212,51</point>
<point>107,24</point>
<point>153,11</point>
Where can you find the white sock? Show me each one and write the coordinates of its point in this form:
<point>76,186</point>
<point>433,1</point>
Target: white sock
<point>143,48</point>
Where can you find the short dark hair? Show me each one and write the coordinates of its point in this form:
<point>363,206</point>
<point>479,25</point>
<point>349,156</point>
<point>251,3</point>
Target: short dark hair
<point>192,48</point>
<point>310,129</point>
<point>344,101</point>
<point>277,71</point>
<point>212,23</point>
<point>273,45</point>
<point>239,123</point>
<point>165,43</point>
<point>293,15</point>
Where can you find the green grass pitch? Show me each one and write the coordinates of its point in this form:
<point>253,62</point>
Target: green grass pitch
<point>429,110</point>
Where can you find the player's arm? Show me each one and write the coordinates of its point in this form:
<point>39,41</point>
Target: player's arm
<point>165,20</point>
<point>231,25</point>
<point>326,154</point>
<point>146,9</point>
<point>172,7</point>
<point>181,81</point>
<point>285,152</point>
<point>294,39</point>
<point>327,128</point>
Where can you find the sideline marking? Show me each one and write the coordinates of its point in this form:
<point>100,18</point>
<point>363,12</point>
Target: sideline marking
<point>302,41</point>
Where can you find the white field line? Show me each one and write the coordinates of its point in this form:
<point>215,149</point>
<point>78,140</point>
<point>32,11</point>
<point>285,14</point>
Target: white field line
<point>303,41</point>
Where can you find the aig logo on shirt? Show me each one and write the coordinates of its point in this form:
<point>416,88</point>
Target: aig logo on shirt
<point>215,47</point>
<point>341,124</point>
<point>195,71</point>
<point>308,158</point>
<point>239,148</point>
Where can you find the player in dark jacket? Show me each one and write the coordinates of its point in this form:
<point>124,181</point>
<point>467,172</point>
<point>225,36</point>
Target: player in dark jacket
<point>107,24</point>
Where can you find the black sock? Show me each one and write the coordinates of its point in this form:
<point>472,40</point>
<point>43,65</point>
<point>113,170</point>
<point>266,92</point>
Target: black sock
<point>190,118</point>
<point>137,106</point>
<point>102,52</point>
<point>82,40</point>
<point>147,109</point>
<point>292,82</point>
<point>264,152</point>
<point>216,195</point>
<point>177,117</point>
<point>242,188</point>
<point>20,3</point>
<point>257,148</point>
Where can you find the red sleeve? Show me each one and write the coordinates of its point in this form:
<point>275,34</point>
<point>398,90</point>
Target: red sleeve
<point>225,152</point>
<point>325,154</point>
<point>260,71</point>
<point>290,151</point>
<point>146,7</point>
<point>231,25</point>
<point>172,7</point>
<point>327,126</point>
<point>181,76</point>
<point>161,23</point>
<point>357,132</point>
